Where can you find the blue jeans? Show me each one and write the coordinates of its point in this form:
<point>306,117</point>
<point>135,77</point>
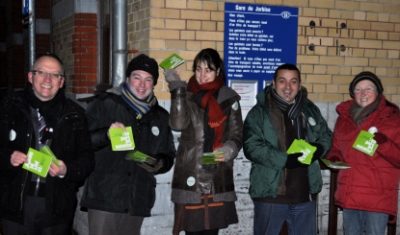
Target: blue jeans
<point>356,222</point>
<point>269,218</point>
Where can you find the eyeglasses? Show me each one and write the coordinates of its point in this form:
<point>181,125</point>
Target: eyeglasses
<point>43,74</point>
<point>366,90</point>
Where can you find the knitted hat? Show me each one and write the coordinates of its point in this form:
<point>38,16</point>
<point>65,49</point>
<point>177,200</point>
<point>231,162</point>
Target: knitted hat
<point>366,76</point>
<point>145,63</point>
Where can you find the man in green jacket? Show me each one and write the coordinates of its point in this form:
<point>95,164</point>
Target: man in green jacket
<point>282,187</point>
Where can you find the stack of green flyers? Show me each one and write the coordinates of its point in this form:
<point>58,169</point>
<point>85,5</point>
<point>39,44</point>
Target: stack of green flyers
<point>301,146</point>
<point>209,158</point>
<point>39,161</point>
<point>121,139</point>
<point>172,61</point>
<point>365,143</point>
<point>137,156</point>
<point>46,149</point>
<point>335,165</point>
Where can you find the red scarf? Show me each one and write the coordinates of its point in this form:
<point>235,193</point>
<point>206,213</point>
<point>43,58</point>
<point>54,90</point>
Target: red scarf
<point>216,116</point>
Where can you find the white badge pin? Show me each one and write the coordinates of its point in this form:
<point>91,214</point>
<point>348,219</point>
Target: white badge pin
<point>12,135</point>
<point>235,106</point>
<point>190,181</point>
<point>155,130</point>
<point>312,121</point>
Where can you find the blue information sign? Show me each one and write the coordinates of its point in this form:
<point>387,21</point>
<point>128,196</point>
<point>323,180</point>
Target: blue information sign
<point>257,39</point>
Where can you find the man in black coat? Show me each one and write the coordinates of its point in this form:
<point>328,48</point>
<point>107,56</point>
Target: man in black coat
<point>121,191</point>
<point>41,116</point>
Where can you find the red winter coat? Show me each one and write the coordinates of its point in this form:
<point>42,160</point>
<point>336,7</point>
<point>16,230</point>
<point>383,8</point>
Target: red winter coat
<point>371,184</point>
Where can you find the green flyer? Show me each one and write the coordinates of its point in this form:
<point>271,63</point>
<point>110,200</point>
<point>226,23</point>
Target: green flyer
<point>172,61</point>
<point>38,162</point>
<point>301,146</point>
<point>121,139</point>
<point>365,143</point>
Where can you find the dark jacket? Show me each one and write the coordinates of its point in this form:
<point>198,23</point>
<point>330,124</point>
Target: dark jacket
<point>371,184</point>
<point>70,143</point>
<point>261,146</point>
<point>117,184</point>
<point>190,176</point>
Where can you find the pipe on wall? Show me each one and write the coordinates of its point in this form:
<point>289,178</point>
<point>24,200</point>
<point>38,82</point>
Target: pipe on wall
<point>119,41</point>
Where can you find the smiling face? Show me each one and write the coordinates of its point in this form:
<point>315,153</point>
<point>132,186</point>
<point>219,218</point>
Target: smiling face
<point>287,84</point>
<point>204,74</point>
<point>141,83</point>
<point>365,93</point>
<point>46,78</point>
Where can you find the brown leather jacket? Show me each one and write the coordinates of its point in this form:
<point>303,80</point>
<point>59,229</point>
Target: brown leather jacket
<point>191,178</point>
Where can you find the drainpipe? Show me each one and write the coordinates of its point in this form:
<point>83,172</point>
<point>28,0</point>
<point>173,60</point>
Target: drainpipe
<point>32,33</point>
<point>119,38</point>
<point>29,19</point>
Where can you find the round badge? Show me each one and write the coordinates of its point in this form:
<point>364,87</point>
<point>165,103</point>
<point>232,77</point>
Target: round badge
<point>190,181</point>
<point>235,106</point>
<point>155,130</point>
<point>312,121</point>
<point>12,135</point>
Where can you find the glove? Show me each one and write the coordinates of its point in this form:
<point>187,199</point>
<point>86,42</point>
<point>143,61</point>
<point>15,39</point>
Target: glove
<point>171,76</point>
<point>173,79</point>
<point>151,165</point>
<point>318,152</point>
<point>293,162</point>
<point>380,138</point>
<point>227,152</point>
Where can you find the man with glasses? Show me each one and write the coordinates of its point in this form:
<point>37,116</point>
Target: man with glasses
<point>41,116</point>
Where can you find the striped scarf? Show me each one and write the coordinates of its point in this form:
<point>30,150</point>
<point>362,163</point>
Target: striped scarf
<point>141,107</point>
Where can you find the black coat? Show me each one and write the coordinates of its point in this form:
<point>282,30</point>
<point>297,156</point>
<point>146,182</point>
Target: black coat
<point>70,143</point>
<point>117,184</point>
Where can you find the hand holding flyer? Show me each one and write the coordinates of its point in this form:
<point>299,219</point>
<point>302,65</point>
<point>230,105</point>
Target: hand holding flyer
<point>121,139</point>
<point>301,146</point>
<point>171,62</point>
<point>38,162</point>
<point>365,143</point>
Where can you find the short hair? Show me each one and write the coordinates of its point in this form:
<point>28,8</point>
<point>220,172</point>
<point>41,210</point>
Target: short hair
<point>53,56</point>
<point>287,67</point>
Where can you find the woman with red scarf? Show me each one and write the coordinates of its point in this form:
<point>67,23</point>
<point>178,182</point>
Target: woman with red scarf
<point>208,115</point>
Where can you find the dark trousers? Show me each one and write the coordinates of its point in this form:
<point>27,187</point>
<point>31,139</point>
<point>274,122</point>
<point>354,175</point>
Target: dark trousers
<point>36,221</point>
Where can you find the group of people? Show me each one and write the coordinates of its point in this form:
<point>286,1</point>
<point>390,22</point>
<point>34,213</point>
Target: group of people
<point>120,192</point>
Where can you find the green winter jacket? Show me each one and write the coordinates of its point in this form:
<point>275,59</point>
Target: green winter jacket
<point>268,160</point>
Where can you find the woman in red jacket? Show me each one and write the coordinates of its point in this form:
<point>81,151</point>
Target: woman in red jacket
<point>368,190</point>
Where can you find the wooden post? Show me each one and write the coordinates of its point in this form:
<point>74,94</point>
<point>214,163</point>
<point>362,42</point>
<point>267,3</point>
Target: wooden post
<point>333,210</point>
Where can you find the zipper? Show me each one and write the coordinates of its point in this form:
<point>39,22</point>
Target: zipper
<point>28,143</point>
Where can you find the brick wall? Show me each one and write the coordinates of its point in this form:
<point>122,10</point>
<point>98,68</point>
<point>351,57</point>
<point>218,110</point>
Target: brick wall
<point>84,49</point>
<point>75,41</point>
<point>368,31</point>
